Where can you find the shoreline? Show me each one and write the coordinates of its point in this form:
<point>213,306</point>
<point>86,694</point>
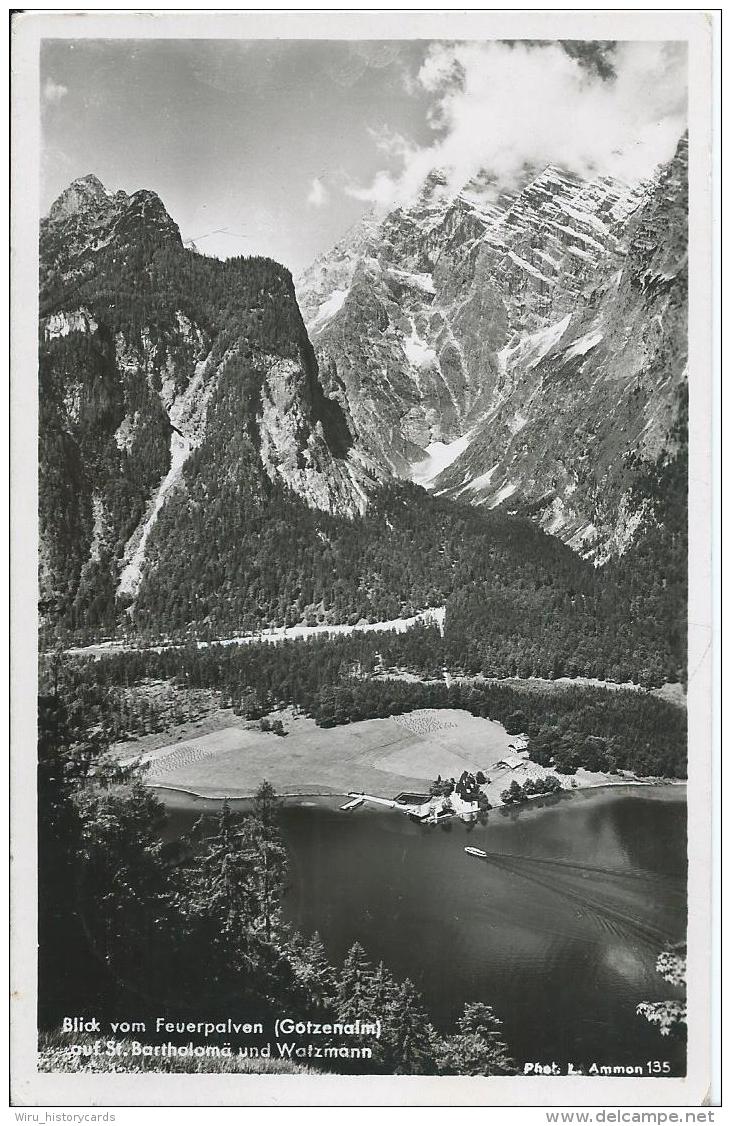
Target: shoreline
<point>241,796</point>
<point>287,798</point>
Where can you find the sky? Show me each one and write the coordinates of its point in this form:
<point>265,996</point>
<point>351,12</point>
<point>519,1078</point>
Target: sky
<point>278,147</point>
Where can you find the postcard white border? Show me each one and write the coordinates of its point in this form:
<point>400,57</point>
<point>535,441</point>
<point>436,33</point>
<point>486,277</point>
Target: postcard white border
<point>33,1089</point>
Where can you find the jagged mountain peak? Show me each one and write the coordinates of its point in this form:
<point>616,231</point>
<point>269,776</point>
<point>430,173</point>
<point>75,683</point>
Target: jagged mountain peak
<point>144,214</point>
<point>88,218</point>
<point>434,189</point>
<point>87,201</point>
<point>86,193</point>
<point>90,182</point>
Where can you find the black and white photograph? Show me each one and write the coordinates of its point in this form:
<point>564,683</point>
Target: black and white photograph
<point>351,466</point>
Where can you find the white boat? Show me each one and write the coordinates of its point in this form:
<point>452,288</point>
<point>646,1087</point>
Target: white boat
<point>475,851</point>
<point>352,804</point>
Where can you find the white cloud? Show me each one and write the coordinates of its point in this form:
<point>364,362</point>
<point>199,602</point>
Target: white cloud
<point>54,91</point>
<point>499,109</point>
<point>318,194</point>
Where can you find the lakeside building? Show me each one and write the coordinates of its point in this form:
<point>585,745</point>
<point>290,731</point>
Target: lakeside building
<point>510,762</point>
<point>432,809</point>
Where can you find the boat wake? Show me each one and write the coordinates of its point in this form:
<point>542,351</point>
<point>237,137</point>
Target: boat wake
<point>566,879</point>
<point>672,883</point>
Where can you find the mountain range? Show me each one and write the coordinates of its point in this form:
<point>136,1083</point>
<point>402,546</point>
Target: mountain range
<point>515,348</point>
<point>222,447</point>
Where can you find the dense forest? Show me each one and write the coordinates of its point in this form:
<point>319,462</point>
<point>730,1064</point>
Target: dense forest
<point>344,679</point>
<point>194,929</point>
<point>518,602</point>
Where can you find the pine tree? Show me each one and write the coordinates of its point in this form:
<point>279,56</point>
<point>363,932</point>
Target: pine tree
<point>220,887</point>
<point>266,854</point>
<point>477,1048</point>
<point>408,1036</point>
<point>354,987</point>
<point>316,973</point>
<point>383,987</point>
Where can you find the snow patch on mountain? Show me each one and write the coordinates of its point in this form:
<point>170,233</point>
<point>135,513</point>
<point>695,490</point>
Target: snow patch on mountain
<point>530,349</point>
<point>439,456</point>
<point>330,307</point>
<point>583,345</point>
<point>417,351</point>
<point>502,494</point>
<point>579,234</point>
<point>423,282</point>
<point>481,482</point>
<point>577,252</point>
<point>529,269</point>
<point>587,218</point>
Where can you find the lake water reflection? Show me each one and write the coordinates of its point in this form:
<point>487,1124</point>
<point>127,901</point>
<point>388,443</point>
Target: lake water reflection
<point>558,929</point>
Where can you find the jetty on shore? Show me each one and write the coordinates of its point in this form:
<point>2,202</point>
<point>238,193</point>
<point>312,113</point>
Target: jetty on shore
<point>431,810</point>
<point>354,803</point>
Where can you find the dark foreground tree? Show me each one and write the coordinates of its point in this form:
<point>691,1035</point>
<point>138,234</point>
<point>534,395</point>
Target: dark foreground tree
<point>355,984</point>
<point>478,1047</point>
<point>231,885</point>
<point>314,970</point>
<point>106,917</point>
<point>409,1037</point>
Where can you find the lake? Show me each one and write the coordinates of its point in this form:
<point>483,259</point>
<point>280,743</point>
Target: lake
<point>558,929</point>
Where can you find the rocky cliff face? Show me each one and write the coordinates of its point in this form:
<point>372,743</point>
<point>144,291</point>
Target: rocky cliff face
<point>137,337</point>
<point>514,349</point>
<point>586,400</point>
